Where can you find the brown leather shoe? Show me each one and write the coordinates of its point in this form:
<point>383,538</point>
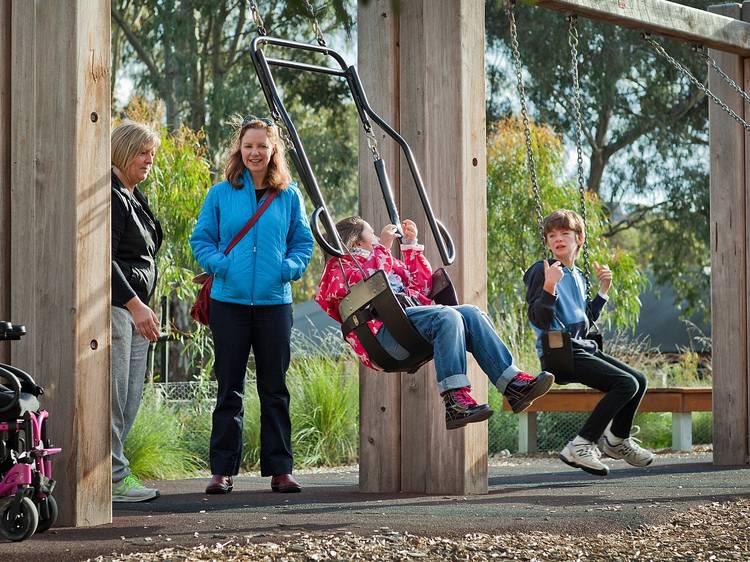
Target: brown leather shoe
<point>285,483</point>
<point>220,484</point>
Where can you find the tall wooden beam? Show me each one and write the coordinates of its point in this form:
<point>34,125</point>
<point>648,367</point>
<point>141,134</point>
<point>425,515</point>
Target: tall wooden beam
<point>380,393</point>
<point>429,77</point>
<point>443,118</point>
<point>60,250</point>
<point>4,170</point>
<point>729,155</point>
<point>711,29</point>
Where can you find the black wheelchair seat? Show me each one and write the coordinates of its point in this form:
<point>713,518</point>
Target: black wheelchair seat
<point>25,403</point>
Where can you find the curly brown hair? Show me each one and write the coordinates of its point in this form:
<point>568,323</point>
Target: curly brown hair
<point>277,175</point>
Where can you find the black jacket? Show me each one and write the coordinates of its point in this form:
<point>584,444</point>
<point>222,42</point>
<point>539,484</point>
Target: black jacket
<point>136,237</point>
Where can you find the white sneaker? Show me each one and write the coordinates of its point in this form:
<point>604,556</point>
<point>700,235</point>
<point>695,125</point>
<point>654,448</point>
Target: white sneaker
<point>584,455</point>
<point>628,449</point>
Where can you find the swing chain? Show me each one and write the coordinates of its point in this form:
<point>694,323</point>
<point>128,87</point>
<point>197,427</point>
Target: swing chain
<point>728,79</point>
<point>257,19</point>
<point>316,26</point>
<point>372,143</point>
<point>530,164</point>
<point>573,42</point>
<point>681,68</point>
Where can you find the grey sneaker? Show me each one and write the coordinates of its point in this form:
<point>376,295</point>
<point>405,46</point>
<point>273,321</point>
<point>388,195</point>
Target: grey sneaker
<point>584,455</point>
<point>130,489</point>
<point>628,449</point>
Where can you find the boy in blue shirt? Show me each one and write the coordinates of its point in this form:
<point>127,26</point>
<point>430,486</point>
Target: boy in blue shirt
<point>556,299</point>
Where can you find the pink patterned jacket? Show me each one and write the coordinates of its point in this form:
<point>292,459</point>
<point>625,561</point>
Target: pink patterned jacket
<point>413,275</point>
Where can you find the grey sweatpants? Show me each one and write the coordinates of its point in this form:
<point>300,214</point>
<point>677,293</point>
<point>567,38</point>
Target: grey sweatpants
<point>129,351</point>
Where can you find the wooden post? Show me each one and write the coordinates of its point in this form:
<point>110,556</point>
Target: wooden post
<point>729,314</point>
<point>380,393</point>
<point>60,251</point>
<point>442,92</point>
<point>4,170</point>
<point>428,81</point>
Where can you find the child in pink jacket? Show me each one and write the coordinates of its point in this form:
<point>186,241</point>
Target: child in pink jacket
<point>452,330</point>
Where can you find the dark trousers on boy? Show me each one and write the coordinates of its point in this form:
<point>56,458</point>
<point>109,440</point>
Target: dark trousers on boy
<point>266,330</point>
<point>623,389</point>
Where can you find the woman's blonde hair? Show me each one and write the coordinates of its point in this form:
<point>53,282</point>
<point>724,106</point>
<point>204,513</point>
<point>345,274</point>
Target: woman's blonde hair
<point>277,174</point>
<point>128,139</point>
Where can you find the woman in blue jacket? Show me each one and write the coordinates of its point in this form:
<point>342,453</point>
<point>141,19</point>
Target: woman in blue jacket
<point>251,298</point>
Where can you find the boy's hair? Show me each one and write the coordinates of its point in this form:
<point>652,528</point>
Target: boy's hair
<point>563,219</point>
<point>350,230</point>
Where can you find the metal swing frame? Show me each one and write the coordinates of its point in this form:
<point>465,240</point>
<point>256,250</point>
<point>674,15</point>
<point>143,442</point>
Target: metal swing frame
<point>372,298</point>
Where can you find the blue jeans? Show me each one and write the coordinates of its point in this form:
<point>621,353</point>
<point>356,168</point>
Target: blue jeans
<point>452,331</point>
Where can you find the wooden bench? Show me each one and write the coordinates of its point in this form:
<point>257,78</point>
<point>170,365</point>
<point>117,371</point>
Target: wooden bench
<point>681,402</point>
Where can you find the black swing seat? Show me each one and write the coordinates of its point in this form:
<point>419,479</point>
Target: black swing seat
<point>373,299</point>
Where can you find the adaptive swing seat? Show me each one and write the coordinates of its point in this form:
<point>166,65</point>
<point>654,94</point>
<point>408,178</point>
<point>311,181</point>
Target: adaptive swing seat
<point>372,298</point>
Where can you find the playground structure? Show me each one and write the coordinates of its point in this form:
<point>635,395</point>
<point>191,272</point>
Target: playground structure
<point>423,70</point>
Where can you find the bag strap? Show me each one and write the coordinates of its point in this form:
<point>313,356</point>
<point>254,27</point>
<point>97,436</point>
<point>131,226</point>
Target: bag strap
<point>251,222</point>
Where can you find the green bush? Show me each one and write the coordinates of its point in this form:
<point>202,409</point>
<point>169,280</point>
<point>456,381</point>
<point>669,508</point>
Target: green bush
<point>155,446</point>
<point>503,427</point>
<point>703,428</point>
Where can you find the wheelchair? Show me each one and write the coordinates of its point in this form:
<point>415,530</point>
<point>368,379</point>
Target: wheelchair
<point>26,502</point>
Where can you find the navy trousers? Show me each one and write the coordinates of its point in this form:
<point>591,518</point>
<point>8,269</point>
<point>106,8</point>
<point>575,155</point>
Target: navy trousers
<point>266,330</point>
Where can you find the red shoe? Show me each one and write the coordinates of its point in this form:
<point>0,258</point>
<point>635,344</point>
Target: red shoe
<point>220,484</point>
<point>462,409</point>
<point>285,483</point>
<point>524,389</point>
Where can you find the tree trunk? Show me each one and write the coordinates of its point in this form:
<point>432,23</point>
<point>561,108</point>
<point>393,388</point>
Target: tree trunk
<point>598,158</point>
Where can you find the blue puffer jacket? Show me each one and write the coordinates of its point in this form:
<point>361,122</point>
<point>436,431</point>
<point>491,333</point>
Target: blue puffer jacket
<point>276,250</point>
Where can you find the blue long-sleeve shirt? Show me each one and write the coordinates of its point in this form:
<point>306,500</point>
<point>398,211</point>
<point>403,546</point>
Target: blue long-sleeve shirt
<point>567,311</point>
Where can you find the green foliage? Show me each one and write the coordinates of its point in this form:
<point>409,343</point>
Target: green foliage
<point>175,189</point>
<point>645,131</point>
<point>513,237</point>
<point>654,429</point>
<point>324,397</point>
<point>503,427</point>
<point>193,55</point>
<point>154,445</point>
<point>330,139</point>
<point>170,440</point>
<point>325,412</point>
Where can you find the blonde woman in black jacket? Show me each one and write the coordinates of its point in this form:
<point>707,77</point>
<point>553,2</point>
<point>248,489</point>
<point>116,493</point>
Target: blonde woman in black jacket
<point>136,237</point>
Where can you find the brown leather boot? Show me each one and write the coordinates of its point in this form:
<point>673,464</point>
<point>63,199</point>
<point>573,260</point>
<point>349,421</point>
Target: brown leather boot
<point>220,484</point>
<point>285,483</point>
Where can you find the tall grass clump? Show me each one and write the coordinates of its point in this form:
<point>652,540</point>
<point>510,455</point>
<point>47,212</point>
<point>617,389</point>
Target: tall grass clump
<point>324,385</point>
<point>155,446</point>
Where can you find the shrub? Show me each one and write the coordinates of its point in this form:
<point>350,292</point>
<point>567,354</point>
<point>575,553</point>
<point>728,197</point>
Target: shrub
<point>155,447</point>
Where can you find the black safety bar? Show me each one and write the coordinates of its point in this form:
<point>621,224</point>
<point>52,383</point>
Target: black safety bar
<point>333,243</point>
